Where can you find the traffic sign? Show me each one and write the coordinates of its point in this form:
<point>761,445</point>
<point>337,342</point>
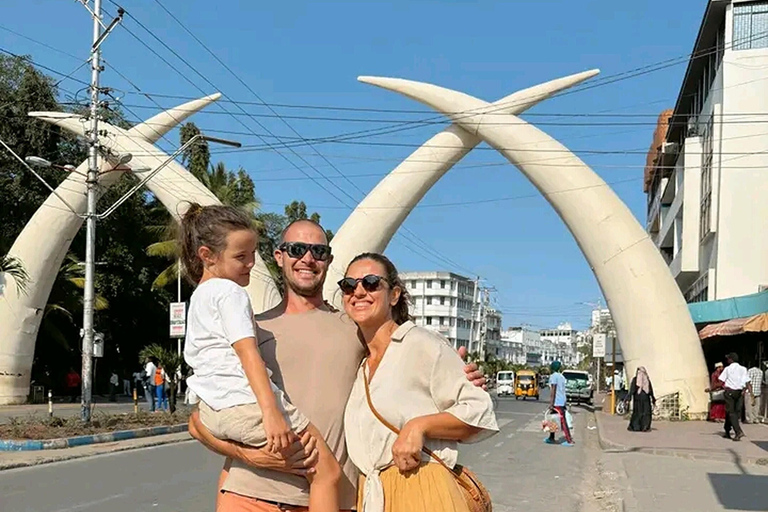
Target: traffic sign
<point>598,345</point>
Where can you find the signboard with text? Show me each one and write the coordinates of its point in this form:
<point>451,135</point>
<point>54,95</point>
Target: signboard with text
<point>178,319</point>
<point>598,345</point>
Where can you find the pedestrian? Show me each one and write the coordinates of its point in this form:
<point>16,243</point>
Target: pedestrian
<point>396,409</point>
<point>114,383</point>
<point>313,352</point>
<point>752,402</point>
<point>73,384</point>
<point>557,402</point>
<point>126,383</point>
<point>764,394</point>
<point>716,395</point>
<point>238,399</point>
<point>734,380</point>
<point>643,401</point>
<point>149,383</point>
<point>161,398</point>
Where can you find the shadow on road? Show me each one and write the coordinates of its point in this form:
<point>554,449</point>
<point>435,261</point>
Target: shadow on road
<point>740,492</point>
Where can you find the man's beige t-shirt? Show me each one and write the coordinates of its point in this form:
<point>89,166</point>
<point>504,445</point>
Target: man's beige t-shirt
<point>314,357</point>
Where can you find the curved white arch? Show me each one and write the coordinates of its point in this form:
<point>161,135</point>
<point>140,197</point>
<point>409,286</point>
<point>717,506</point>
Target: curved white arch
<point>651,316</point>
<point>369,228</point>
<point>44,241</point>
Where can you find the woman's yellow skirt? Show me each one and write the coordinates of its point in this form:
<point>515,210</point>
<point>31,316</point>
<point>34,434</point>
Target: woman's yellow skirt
<point>428,488</point>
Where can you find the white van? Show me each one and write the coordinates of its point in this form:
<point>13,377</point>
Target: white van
<point>505,383</point>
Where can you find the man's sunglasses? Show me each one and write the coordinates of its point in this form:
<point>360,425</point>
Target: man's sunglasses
<point>371,283</point>
<point>298,249</point>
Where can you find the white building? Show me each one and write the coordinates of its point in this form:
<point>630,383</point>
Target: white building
<point>521,345</point>
<point>707,170</point>
<point>560,345</point>
<point>443,302</point>
<point>491,332</point>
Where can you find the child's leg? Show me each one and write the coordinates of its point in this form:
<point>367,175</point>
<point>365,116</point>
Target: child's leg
<point>324,484</point>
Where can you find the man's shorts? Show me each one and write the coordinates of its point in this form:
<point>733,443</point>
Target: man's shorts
<point>245,423</point>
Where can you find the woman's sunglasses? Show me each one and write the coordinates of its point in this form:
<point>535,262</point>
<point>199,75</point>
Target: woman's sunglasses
<point>371,283</point>
<point>297,250</point>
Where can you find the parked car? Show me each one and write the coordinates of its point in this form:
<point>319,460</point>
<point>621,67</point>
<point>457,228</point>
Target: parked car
<point>578,386</point>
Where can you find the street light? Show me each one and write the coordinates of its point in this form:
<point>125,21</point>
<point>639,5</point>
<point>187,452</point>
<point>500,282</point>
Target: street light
<point>42,162</point>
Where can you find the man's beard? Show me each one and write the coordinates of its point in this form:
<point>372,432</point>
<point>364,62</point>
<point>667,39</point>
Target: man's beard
<point>303,291</point>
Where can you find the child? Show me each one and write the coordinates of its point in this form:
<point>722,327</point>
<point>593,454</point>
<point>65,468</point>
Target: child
<point>238,401</point>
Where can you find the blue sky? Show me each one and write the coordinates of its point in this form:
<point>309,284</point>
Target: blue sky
<point>299,54</point>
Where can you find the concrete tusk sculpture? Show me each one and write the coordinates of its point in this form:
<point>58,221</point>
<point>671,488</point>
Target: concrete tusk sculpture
<point>652,319</point>
<point>369,228</point>
<point>46,238</point>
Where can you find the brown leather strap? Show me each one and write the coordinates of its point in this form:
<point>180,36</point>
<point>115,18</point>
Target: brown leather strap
<point>397,431</point>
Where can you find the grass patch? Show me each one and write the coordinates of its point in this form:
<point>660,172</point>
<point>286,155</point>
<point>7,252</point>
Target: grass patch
<point>36,428</point>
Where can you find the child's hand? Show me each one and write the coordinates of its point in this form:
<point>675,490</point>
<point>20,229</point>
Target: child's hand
<point>279,434</point>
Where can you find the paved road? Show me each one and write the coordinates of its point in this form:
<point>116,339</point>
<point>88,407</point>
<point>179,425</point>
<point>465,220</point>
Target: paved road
<point>516,466</point>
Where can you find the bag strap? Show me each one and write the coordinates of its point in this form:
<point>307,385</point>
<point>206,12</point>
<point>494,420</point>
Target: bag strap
<point>397,431</point>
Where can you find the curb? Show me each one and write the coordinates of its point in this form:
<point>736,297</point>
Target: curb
<point>63,456</point>
<point>10,445</point>
<point>610,446</point>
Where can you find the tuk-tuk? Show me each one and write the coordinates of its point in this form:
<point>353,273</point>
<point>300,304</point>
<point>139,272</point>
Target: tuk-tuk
<point>526,385</point>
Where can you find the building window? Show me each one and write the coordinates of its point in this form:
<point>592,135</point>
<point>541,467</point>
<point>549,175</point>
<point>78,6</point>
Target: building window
<point>429,283</point>
<point>429,320</point>
<point>442,320</point>
<point>750,25</point>
<point>442,283</point>
<point>413,284</point>
<point>442,301</point>
<point>706,179</point>
<point>453,285</point>
<point>429,300</point>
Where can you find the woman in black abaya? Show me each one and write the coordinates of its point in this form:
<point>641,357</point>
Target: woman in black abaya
<point>643,402</point>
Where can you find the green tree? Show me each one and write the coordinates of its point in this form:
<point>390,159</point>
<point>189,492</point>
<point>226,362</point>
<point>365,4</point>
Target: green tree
<point>14,268</point>
<point>197,157</point>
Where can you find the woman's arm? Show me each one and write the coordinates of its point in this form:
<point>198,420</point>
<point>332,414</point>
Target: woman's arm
<point>406,451</point>
<point>299,459</point>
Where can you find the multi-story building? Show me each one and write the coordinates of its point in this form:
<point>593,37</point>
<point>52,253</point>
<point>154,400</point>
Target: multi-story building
<point>521,345</point>
<point>443,302</point>
<point>706,173</point>
<point>560,345</point>
<point>491,332</point>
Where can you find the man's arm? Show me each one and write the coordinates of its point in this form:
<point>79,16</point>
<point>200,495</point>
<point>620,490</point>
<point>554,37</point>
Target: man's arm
<point>299,459</point>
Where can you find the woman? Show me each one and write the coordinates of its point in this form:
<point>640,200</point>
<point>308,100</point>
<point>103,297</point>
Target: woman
<point>643,402</point>
<point>416,383</point>
<point>717,402</point>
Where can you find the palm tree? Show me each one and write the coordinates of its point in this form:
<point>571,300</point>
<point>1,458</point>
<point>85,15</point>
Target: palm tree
<point>231,189</point>
<point>65,300</point>
<point>169,361</point>
<point>14,268</point>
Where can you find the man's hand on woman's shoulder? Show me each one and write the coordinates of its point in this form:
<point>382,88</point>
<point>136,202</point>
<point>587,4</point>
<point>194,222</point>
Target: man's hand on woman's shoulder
<point>474,375</point>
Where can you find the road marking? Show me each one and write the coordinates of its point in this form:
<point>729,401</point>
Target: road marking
<point>510,435</point>
<point>503,423</point>
<point>485,455</point>
<point>498,444</point>
<point>89,504</point>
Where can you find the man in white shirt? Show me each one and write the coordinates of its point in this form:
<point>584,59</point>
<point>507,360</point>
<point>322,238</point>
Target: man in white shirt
<point>734,379</point>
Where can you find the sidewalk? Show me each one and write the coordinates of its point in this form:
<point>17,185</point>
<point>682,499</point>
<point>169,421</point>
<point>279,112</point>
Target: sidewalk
<point>686,439</point>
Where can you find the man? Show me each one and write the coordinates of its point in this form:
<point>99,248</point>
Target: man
<point>557,400</point>
<point>149,386</point>
<point>734,380</point>
<point>764,394</point>
<point>114,382</point>
<point>73,384</point>
<point>753,401</point>
<point>313,352</point>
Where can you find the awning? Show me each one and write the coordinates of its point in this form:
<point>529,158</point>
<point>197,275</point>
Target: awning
<point>756,323</point>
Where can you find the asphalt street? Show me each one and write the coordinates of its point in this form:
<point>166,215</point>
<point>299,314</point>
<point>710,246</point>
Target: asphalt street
<point>520,471</point>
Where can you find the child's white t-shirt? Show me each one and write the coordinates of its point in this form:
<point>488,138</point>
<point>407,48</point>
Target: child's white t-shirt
<point>220,314</point>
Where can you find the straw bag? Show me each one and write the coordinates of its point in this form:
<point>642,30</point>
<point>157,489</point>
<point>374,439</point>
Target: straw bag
<point>475,494</point>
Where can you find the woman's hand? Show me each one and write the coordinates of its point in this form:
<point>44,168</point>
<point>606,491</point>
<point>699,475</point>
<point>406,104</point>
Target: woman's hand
<point>406,451</point>
<point>299,459</point>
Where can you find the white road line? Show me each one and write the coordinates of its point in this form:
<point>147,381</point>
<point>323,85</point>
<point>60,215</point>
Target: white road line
<point>485,455</point>
<point>510,435</point>
<point>89,504</point>
<point>498,444</point>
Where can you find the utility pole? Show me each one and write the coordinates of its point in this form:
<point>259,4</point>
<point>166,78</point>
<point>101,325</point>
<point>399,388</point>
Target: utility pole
<point>92,182</point>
